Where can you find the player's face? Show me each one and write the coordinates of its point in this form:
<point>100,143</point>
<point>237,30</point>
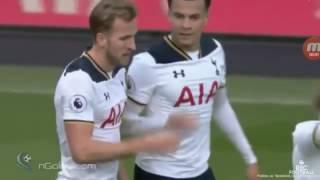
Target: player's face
<point>121,42</point>
<point>188,19</point>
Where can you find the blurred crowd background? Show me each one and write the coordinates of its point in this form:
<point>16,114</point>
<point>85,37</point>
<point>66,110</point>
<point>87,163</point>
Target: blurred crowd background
<point>260,37</point>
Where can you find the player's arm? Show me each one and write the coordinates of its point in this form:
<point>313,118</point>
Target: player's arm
<point>136,124</point>
<point>79,125</point>
<point>307,137</point>
<point>141,85</point>
<point>227,120</point>
<point>77,105</point>
<point>225,116</point>
<point>85,149</point>
<point>140,91</point>
<point>122,174</point>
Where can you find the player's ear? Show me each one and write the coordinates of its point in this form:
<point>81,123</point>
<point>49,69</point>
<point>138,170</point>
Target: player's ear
<point>101,39</point>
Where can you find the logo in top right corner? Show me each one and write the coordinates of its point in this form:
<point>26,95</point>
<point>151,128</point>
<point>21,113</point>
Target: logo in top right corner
<point>311,48</point>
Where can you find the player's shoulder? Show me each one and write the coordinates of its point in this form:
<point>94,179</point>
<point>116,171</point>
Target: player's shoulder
<point>309,129</point>
<point>142,64</point>
<point>82,69</point>
<point>306,125</point>
<point>143,58</point>
<point>78,75</point>
<point>119,70</point>
<point>210,45</point>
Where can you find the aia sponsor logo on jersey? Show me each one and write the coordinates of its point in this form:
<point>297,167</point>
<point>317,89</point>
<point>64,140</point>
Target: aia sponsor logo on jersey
<point>187,96</point>
<point>114,116</point>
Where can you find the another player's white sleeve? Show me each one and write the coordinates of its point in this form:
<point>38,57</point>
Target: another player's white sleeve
<point>141,84</point>
<point>227,120</point>
<point>135,124</point>
<point>307,137</point>
<point>141,78</point>
<point>77,97</point>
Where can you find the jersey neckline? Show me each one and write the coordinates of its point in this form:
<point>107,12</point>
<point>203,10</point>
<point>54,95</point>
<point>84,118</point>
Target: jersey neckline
<point>95,65</point>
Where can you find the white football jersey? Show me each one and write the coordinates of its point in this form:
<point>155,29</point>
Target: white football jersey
<point>85,93</point>
<point>167,80</point>
<point>306,153</point>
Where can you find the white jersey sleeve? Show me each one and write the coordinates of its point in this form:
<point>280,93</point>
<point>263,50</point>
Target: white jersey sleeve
<point>141,78</point>
<point>221,62</point>
<point>227,120</point>
<point>77,97</point>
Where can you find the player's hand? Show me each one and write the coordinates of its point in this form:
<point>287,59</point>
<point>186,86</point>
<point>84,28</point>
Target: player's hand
<point>162,142</point>
<point>253,172</point>
<point>181,121</point>
<point>168,139</point>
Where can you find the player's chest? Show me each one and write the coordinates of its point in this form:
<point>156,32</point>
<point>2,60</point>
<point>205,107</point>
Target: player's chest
<point>109,103</point>
<point>190,84</point>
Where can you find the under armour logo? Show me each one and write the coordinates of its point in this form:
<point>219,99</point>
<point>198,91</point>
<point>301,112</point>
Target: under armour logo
<point>107,96</point>
<point>176,74</point>
<point>215,65</point>
<point>214,62</point>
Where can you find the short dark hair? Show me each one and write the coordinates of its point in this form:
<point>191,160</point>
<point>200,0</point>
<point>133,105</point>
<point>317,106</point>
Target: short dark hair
<point>106,11</point>
<point>208,3</point>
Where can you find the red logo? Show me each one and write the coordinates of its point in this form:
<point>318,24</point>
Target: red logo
<point>311,48</point>
<point>187,96</point>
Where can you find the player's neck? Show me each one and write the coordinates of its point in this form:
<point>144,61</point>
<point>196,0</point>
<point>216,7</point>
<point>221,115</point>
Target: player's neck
<point>99,57</point>
<point>191,48</point>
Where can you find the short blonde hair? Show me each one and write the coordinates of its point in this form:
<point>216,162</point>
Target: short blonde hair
<point>106,11</point>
